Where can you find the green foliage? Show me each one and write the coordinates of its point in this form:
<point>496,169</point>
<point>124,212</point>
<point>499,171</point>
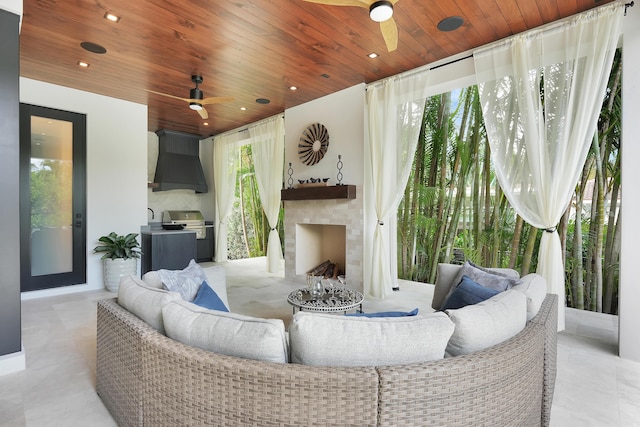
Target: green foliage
<point>455,202</point>
<point>51,194</point>
<point>116,246</point>
<point>248,228</point>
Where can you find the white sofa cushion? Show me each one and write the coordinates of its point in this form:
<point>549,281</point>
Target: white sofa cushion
<point>487,323</point>
<point>534,286</point>
<point>332,340</point>
<point>216,279</point>
<point>449,275</point>
<point>144,301</point>
<point>226,333</point>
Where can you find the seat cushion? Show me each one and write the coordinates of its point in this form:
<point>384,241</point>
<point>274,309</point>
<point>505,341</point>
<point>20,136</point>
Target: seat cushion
<point>487,323</point>
<point>144,301</point>
<point>321,339</point>
<point>226,333</point>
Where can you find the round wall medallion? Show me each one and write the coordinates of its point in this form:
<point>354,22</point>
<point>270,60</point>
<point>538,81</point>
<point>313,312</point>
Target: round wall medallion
<point>313,144</point>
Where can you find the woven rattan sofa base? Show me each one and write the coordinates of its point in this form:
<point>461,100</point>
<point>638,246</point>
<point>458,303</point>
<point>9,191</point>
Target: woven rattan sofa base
<point>147,379</point>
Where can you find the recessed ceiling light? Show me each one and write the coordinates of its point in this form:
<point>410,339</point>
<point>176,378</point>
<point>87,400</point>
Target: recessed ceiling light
<point>93,47</point>
<point>83,64</point>
<point>243,108</point>
<point>293,87</point>
<point>324,75</point>
<point>111,17</point>
<point>262,101</point>
<point>373,55</point>
<point>451,23</point>
<point>206,123</point>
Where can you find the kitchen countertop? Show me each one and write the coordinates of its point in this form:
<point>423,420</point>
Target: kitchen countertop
<point>163,231</point>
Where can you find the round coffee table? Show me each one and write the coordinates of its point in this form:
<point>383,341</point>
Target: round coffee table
<point>332,300</point>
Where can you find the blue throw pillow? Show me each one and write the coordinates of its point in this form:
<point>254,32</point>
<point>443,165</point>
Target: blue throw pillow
<point>208,298</point>
<point>466,293</point>
<point>385,314</point>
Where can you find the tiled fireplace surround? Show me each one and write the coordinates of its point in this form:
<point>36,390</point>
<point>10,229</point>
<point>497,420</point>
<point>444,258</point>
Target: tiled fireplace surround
<point>346,212</point>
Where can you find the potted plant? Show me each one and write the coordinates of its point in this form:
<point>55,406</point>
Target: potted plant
<point>120,257</point>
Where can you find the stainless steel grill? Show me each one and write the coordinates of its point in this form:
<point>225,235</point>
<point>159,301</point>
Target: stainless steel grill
<point>192,220</point>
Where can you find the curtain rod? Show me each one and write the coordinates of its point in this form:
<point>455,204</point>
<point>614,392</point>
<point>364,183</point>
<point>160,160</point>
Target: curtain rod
<point>247,127</point>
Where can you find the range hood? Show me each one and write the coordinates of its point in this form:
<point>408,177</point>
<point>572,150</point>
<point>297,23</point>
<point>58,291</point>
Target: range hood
<point>178,164</point>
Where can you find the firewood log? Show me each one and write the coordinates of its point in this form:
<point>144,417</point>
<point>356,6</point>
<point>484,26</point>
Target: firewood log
<point>317,270</point>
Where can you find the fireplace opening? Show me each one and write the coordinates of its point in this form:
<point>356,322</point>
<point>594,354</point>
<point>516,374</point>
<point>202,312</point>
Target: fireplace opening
<point>316,243</point>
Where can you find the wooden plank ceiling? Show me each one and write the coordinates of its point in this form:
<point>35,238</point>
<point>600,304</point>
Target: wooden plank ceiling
<point>250,49</point>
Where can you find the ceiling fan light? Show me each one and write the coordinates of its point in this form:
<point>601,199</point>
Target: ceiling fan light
<point>195,106</point>
<point>380,11</point>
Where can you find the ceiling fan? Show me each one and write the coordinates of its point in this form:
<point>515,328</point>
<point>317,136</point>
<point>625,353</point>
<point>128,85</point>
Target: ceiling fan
<point>379,11</point>
<point>196,99</point>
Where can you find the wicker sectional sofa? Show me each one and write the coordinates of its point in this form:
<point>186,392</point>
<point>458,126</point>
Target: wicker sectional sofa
<point>147,379</point>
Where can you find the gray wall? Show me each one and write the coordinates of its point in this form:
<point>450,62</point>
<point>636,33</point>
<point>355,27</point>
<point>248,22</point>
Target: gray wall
<point>10,336</point>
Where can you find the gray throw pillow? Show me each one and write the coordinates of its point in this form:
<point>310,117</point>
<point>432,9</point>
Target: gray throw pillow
<point>489,278</point>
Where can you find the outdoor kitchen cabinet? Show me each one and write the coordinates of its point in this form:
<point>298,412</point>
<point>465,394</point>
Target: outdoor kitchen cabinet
<point>171,250</point>
<point>205,246</point>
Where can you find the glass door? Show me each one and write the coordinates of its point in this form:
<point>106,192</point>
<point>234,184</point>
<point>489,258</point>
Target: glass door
<point>52,205</point>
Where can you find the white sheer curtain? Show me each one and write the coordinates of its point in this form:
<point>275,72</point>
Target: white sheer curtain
<point>225,161</point>
<point>395,109</point>
<point>267,148</point>
<point>541,94</point>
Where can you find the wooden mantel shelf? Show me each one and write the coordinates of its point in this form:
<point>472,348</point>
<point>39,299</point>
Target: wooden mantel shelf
<point>319,193</point>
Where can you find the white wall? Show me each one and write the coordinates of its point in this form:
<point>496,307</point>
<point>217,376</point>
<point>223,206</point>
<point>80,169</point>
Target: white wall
<point>116,160</point>
<point>629,294</point>
<point>14,6</point>
<point>342,113</point>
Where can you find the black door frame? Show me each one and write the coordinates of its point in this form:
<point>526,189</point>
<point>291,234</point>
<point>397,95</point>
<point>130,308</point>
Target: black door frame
<point>78,275</point>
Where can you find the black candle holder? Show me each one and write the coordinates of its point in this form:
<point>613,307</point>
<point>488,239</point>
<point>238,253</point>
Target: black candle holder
<point>339,165</point>
<point>290,172</point>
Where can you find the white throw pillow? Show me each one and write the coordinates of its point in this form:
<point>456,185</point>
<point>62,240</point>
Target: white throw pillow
<point>152,280</point>
<point>186,282</point>
<point>216,278</point>
<point>144,301</point>
<point>226,333</point>
<point>332,340</point>
<point>487,323</point>
<point>534,286</point>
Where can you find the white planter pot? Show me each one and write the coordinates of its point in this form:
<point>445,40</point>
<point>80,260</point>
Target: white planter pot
<point>114,269</point>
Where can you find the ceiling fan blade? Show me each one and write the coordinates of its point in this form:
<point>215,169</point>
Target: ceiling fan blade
<point>169,96</point>
<point>357,3</point>
<point>203,113</point>
<point>390,33</point>
<point>215,100</point>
